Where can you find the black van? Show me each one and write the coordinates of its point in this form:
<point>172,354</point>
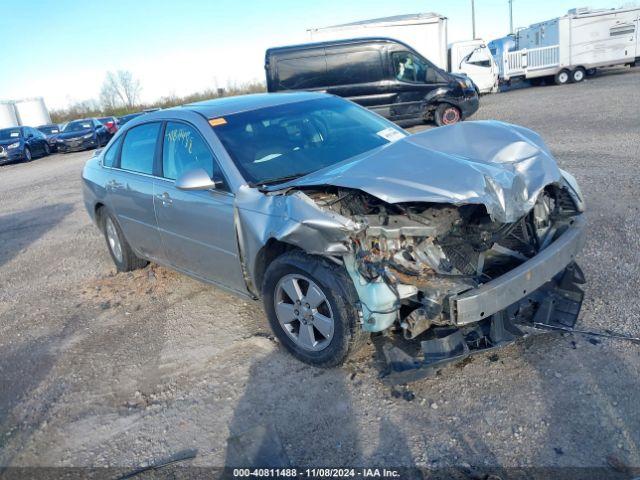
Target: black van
<point>382,74</point>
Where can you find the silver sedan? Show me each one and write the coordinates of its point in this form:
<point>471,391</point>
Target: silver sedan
<point>449,241</point>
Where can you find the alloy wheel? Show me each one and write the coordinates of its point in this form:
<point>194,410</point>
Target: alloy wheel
<point>303,312</point>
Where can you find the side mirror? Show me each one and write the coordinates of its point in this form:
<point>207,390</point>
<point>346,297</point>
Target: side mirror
<point>196,179</point>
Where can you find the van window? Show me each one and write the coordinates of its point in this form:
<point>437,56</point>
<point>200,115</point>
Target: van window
<point>347,67</point>
<point>302,72</point>
<point>479,57</point>
<point>409,67</point>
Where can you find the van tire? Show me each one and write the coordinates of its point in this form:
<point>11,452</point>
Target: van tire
<point>123,257</point>
<point>447,114</point>
<point>578,75</point>
<point>562,77</point>
<point>340,298</point>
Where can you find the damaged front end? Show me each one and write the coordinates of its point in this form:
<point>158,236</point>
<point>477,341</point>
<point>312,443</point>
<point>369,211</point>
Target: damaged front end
<point>457,240</point>
<point>455,280</point>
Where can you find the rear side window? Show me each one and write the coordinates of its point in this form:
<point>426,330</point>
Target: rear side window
<point>109,159</point>
<point>302,72</point>
<point>346,67</point>
<point>183,149</point>
<point>139,147</point>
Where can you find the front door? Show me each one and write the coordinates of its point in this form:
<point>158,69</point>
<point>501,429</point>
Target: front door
<point>196,227</point>
<point>480,68</point>
<point>415,78</point>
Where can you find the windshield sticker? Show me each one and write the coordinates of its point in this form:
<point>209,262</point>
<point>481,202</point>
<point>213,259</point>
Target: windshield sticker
<point>216,122</point>
<point>54,131</point>
<point>15,134</point>
<point>86,125</point>
<point>391,134</point>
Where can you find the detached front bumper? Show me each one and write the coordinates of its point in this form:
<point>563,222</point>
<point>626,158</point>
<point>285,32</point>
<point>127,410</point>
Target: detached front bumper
<point>542,292</point>
<point>496,295</point>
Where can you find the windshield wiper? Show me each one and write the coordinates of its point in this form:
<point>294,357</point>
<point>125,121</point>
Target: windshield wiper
<point>271,181</point>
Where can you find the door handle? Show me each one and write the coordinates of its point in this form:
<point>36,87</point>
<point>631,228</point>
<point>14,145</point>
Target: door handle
<point>165,199</point>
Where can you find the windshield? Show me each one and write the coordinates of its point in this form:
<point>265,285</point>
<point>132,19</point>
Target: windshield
<point>106,120</point>
<point>49,129</point>
<point>287,141</point>
<point>9,133</point>
<point>78,125</point>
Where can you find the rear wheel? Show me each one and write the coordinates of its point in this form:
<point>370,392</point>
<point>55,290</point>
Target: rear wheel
<point>447,114</point>
<point>578,75</point>
<point>119,249</point>
<point>310,306</point>
<point>562,77</point>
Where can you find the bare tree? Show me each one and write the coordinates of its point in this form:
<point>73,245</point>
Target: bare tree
<point>119,89</point>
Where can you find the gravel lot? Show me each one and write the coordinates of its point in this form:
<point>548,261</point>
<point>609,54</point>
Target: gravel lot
<point>123,370</point>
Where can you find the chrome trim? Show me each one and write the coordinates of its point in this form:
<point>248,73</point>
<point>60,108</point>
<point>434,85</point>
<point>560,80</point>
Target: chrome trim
<point>496,295</point>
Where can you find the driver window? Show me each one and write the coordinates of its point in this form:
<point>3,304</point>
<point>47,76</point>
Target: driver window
<point>183,149</point>
<point>479,57</point>
<point>409,67</point>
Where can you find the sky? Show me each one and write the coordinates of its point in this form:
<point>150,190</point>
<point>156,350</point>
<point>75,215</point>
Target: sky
<point>62,49</point>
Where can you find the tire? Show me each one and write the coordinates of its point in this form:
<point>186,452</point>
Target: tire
<point>121,253</point>
<point>328,293</point>
<point>47,149</point>
<point>447,114</point>
<point>27,154</point>
<point>562,77</point>
<point>578,75</point>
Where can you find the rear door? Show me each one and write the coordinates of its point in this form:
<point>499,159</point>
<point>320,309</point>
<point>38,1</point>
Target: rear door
<point>130,189</point>
<point>357,72</point>
<point>197,227</point>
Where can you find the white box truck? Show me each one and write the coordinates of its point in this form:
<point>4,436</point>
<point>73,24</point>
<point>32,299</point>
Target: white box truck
<point>569,46</point>
<point>426,33</point>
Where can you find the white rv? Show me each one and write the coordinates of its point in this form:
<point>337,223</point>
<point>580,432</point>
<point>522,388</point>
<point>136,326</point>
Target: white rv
<point>426,33</point>
<point>569,46</point>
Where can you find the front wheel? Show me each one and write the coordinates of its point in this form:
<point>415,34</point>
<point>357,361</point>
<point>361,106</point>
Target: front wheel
<point>310,306</point>
<point>47,149</point>
<point>447,114</point>
<point>27,154</point>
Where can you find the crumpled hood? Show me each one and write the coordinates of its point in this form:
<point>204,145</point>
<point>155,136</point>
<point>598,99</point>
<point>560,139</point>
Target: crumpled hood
<point>499,165</point>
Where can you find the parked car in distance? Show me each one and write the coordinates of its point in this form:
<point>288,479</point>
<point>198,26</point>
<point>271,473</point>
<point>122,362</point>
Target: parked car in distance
<point>51,132</point>
<point>384,75</point>
<point>125,118</point>
<point>82,135</point>
<point>344,224</point>
<point>111,124</point>
<point>22,143</point>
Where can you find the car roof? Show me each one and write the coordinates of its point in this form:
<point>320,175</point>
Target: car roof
<point>219,107</point>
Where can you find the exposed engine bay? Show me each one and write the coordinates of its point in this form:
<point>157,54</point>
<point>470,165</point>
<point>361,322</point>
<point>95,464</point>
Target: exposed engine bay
<point>409,259</point>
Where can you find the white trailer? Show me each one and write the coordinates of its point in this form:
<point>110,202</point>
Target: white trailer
<point>32,112</point>
<point>8,117</point>
<point>569,46</point>
<point>426,33</point>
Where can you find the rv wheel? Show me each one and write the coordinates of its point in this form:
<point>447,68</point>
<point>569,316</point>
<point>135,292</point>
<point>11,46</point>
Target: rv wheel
<point>578,75</point>
<point>562,77</point>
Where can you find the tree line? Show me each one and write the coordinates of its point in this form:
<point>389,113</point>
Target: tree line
<point>120,95</point>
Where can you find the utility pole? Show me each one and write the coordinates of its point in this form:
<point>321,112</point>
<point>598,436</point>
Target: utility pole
<point>510,16</point>
<point>473,19</point>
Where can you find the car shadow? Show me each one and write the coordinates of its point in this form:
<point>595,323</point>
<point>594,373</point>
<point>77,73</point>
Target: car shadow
<point>295,415</point>
<point>20,229</point>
